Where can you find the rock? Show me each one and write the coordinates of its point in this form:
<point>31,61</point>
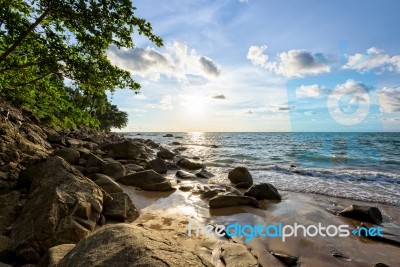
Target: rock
<point>158,165</point>
<point>70,155</point>
<point>124,150</point>
<point>363,213</point>
<point>94,161</point>
<point>165,154</point>
<point>90,145</point>
<point>5,265</point>
<point>189,165</point>
<point>9,206</point>
<point>147,180</point>
<point>263,191</point>
<point>133,168</point>
<point>120,208</point>
<point>209,194</point>
<point>4,247</point>
<point>108,184</point>
<point>168,135</point>
<point>69,207</point>
<point>236,255</point>
<point>239,175</point>
<point>72,142</point>
<point>172,166</point>
<point>54,255</point>
<point>80,168</point>
<point>175,143</point>
<point>185,175</point>
<point>222,201</point>
<point>55,138</point>
<point>179,149</point>
<point>380,264</point>
<point>114,170</point>
<point>151,143</point>
<point>129,245</point>
<point>244,185</point>
<point>185,188</point>
<point>204,174</point>
<point>286,259</point>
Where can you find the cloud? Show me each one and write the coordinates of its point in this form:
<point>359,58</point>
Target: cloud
<point>220,96</point>
<point>209,66</point>
<point>177,61</point>
<point>307,91</point>
<point>293,63</point>
<point>310,113</point>
<point>248,112</point>
<point>354,91</point>
<point>165,103</point>
<point>373,59</point>
<point>280,109</point>
<point>389,99</point>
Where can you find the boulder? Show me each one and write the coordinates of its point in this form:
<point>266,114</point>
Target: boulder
<point>239,175</point>
<point>133,168</point>
<point>151,143</point>
<point>70,155</point>
<point>94,161</point>
<point>130,245</point>
<point>263,191</point>
<point>165,154</point>
<point>9,206</point>
<point>189,165</point>
<point>204,174</point>
<point>286,259</point>
<point>244,185</point>
<point>185,188</point>
<point>113,169</point>
<point>63,206</point>
<point>235,255</point>
<point>158,165</point>
<point>222,201</point>
<point>124,150</point>
<point>107,184</point>
<point>54,255</point>
<point>363,213</point>
<point>72,142</point>
<point>168,135</point>
<point>120,208</point>
<point>185,175</point>
<point>147,180</point>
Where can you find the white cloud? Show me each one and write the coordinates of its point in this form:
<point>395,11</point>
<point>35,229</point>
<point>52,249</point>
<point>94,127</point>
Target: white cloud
<point>165,103</point>
<point>389,99</point>
<point>307,91</point>
<point>293,63</point>
<point>178,61</point>
<point>373,59</point>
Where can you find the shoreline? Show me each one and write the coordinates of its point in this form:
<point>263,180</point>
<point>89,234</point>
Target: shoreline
<point>91,186</point>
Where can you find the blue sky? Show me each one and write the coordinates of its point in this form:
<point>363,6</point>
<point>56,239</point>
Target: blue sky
<point>265,66</point>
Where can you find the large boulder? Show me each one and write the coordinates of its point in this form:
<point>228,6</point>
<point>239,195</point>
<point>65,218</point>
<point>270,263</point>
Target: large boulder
<point>124,150</point>
<point>70,155</point>
<point>54,255</point>
<point>147,180</point>
<point>113,169</point>
<point>130,167</point>
<point>107,183</point>
<point>63,206</point>
<point>263,191</point>
<point>222,201</point>
<point>189,165</point>
<point>363,213</point>
<point>165,154</point>
<point>158,165</point>
<point>240,175</point>
<point>120,208</point>
<point>129,245</point>
<point>9,204</point>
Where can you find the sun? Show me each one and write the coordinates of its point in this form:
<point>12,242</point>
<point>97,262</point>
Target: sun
<point>193,105</point>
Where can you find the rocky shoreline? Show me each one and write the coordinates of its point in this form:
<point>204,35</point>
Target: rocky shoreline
<point>75,199</point>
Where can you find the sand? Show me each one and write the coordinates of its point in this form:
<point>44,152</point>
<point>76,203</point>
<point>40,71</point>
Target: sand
<point>169,213</point>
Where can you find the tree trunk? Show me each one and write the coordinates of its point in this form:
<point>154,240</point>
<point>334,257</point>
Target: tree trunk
<point>22,37</point>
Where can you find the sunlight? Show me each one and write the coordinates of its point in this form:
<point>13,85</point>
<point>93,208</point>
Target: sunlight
<point>194,105</point>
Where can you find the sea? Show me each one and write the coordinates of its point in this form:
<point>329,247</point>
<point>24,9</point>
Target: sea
<point>360,166</point>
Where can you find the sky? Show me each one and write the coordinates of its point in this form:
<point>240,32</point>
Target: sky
<point>258,65</point>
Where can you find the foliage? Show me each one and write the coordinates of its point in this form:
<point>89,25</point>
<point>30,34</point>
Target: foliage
<point>53,57</point>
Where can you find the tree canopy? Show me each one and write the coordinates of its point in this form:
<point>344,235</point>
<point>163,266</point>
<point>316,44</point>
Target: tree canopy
<point>53,57</point>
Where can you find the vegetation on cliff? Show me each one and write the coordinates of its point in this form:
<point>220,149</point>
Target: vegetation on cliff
<point>53,58</point>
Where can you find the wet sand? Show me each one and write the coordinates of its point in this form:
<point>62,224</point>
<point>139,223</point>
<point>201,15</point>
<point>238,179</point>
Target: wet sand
<point>171,212</point>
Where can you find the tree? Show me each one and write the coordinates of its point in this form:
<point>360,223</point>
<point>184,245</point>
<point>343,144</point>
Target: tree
<point>59,48</point>
<point>112,118</point>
